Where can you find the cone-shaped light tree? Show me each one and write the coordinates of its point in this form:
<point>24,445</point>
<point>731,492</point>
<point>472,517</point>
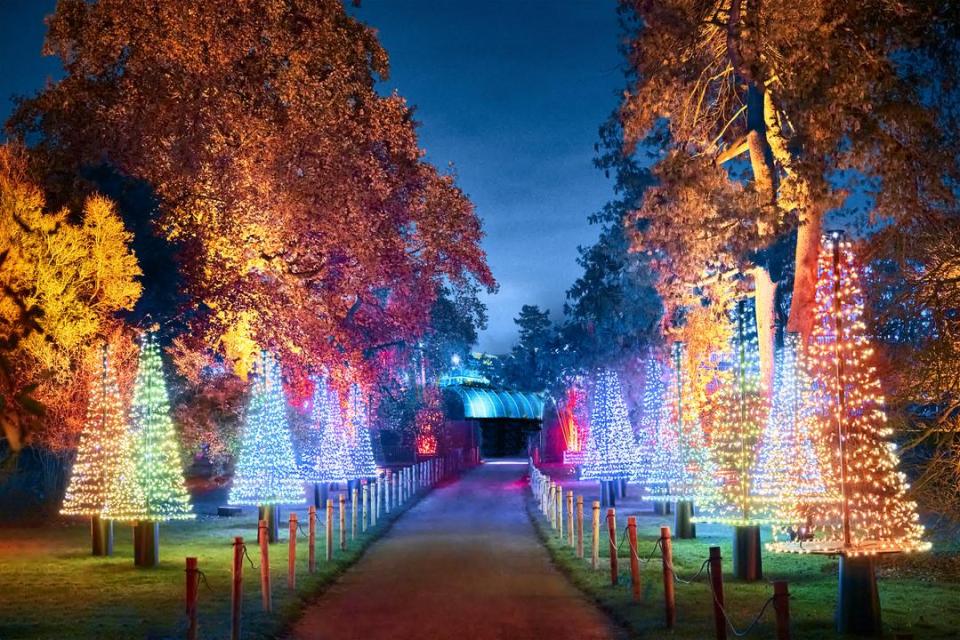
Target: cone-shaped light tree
<point>150,487</point>
<point>326,454</point>
<point>612,452</point>
<point>361,447</point>
<point>266,473</point>
<point>734,444</point>
<point>100,456</point>
<point>648,426</point>
<point>787,472</point>
<point>682,469</point>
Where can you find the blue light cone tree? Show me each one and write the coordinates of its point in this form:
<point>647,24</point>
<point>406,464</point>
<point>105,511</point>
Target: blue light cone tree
<point>735,439</point>
<point>266,474</point>
<point>150,487</point>
<point>612,452</point>
<point>682,469</point>
<point>648,426</point>
<point>361,448</point>
<point>326,453</point>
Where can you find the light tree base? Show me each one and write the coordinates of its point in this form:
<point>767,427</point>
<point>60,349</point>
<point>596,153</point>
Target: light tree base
<point>623,487</point>
<point>321,491</point>
<point>683,526</point>
<point>608,493</point>
<point>101,536</point>
<point>146,544</point>
<point>271,514</point>
<point>858,600</point>
<point>747,560</point>
<point>662,508</point>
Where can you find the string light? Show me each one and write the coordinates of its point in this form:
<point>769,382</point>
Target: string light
<point>575,423</point>
<point>871,513</point>
<point>361,450</point>
<point>266,471</point>
<point>326,456</point>
<point>611,451</point>
<point>100,451</point>
<point>150,485</point>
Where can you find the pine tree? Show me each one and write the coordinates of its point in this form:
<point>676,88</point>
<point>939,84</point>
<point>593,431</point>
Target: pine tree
<point>150,486</point>
<point>872,513</point>
<point>739,423</point>
<point>100,452</point>
<point>266,472</point>
<point>327,455</point>
<point>361,449</point>
<point>612,452</point>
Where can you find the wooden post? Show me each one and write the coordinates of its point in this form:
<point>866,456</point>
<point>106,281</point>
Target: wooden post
<point>559,508</point>
<point>374,501</point>
<point>343,522</point>
<point>365,513</point>
<point>236,590</point>
<point>634,557</point>
<point>193,584</point>
<point>353,514</point>
<point>595,557</point>
<point>292,553</point>
<point>312,539</point>
<point>781,606</point>
<point>264,538</point>
<point>716,584</point>
<point>612,528</point>
<point>101,536</point>
<point>388,486</point>
<point>570,518</point>
<point>579,526</point>
<point>669,596</point>
<point>551,516</point>
<point>329,530</point>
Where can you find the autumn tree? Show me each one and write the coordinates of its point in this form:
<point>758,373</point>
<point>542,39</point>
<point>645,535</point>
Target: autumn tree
<point>64,277</point>
<point>771,114</point>
<point>307,219</point>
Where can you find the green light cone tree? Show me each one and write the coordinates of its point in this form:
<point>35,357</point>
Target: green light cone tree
<point>100,457</point>
<point>266,473</point>
<point>150,487</point>
<point>612,452</point>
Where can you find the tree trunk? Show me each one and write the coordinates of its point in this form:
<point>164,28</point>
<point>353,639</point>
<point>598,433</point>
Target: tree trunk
<point>12,430</point>
<point>766,293</point>
<point>805,273</point>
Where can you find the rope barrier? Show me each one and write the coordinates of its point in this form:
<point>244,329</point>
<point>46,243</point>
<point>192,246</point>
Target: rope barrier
<point>726,616</point>
<point>246,554</point>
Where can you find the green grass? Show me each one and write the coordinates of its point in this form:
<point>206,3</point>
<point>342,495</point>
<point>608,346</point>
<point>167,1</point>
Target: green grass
<point>50,587</point>
<point>912,600</point>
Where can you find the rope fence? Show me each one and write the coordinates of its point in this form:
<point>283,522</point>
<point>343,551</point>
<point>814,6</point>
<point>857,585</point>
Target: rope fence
<point>547,493</point>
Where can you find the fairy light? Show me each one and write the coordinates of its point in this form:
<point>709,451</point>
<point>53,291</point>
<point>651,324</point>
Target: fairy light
<point>681,467</point>
<point>739,423</point>
<point>611,451</point>
<point>100,450</point>
<point>326,456</point>
<point>574,422</point>
<point>363,464</point>
<point>266,471</point>
<point>872,513</point>
<point>150,485</point>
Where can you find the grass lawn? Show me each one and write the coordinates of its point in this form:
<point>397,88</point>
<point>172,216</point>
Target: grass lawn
<point>914,597</point>
<point>52,588</point>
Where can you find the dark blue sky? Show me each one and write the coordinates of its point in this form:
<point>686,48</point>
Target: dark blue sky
<point>510,91</point>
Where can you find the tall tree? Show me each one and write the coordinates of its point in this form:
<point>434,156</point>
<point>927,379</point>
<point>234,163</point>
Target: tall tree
<point>530,363</point>
<point>772,113</point>
<point>306,216</point>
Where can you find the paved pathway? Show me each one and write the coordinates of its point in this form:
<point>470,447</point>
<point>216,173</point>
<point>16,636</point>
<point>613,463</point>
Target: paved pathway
<point>463,564</point>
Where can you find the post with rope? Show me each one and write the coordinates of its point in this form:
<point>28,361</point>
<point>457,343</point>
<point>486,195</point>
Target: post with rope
<point>579,526</point>
<point>612,527</point>
<point>292,554</point>
<point>669,595</point>
<point>264,538</point>
<point>343,522</point>
<point>595,557</point>
<point>388,484</point>
<point>570,518</point>
<point>312,539</point>
<point>236,589</point>
<point>329,531</point>
<point>551,516</point>
<point>365,509</point>
<point>193,584</point>
<point>559,509</point>
<point>374,501</point>
<point>634,557</point>
<point>781,606</point>
<point>353,514</point>
<point>716,585</point>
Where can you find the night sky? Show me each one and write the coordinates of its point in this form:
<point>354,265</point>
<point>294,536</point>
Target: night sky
<point>511,92</point>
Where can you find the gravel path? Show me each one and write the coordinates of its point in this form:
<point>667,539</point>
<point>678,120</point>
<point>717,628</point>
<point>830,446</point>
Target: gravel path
<point>463,564</point>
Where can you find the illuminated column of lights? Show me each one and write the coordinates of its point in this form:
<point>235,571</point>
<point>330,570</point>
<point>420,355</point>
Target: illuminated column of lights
<point>574,422</point>
<point>657,438</point>
<point>150,486</point>
<point>100,451</point>
<point>327,454</point>
<point>682,468</point>
<point>739,422</point>
<point>871,512</point>
<point>611,452</point>
<point>787,470</point>
<point>361,451</point>
<point>266,471</point>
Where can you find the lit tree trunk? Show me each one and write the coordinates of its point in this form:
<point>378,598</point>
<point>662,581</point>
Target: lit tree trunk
<point>12,430</point>
<point>766,293</point>
<point>805,273</point>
